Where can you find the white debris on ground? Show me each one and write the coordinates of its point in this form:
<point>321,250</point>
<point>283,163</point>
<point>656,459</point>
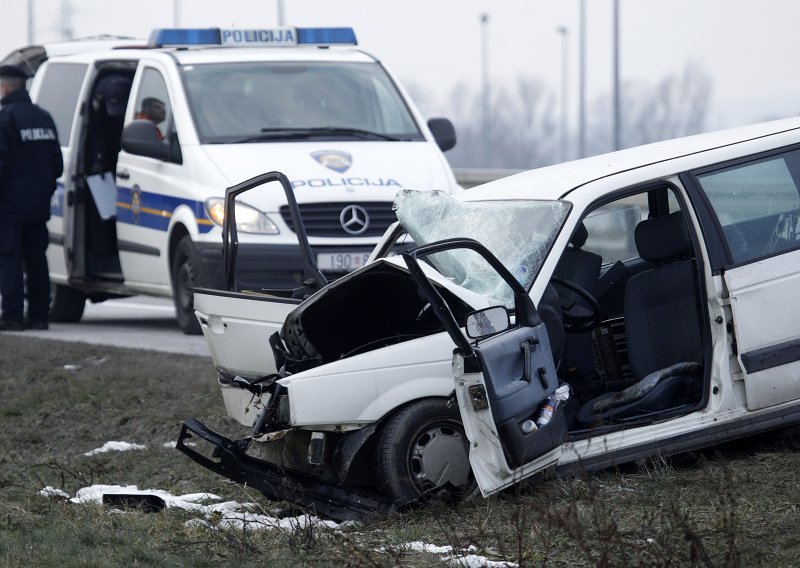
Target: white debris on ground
<point>115,447</point>
<point>240,516</point>
<point>53,492</point>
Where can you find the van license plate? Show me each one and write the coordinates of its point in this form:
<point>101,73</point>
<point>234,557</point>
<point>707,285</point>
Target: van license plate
<point>341,261</point>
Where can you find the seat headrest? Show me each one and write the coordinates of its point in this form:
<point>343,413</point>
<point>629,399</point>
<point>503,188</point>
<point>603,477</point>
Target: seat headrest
<point>579,236</point>
<point>663,238</point>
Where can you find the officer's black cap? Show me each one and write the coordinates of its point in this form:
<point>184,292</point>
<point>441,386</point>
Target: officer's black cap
<point>12,71</point>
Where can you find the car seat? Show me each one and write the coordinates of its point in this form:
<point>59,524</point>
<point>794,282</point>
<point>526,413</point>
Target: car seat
<point>582,268</point>
<point>662,323</point>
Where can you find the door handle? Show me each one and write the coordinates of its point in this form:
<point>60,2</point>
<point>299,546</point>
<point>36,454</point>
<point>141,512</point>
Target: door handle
<point>123,174</point>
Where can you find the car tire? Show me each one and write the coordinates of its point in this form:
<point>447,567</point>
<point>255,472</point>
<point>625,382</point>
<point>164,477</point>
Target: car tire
<point>66,304</point>
<point>422,446</point>
<point>186,275</point>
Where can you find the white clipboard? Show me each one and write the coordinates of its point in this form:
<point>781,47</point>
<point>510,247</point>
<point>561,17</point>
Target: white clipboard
<point>104,192</point>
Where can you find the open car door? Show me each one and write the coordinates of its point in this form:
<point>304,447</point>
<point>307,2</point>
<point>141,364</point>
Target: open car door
<point>505,377</point>
<point>236,323</point>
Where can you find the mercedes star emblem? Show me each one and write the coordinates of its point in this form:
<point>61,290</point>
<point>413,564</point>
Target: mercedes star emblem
<point>354,219</point>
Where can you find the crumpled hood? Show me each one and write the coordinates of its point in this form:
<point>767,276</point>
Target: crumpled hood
<point>332,171</point>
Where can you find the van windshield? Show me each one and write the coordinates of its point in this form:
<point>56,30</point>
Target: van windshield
<point>295,101</point>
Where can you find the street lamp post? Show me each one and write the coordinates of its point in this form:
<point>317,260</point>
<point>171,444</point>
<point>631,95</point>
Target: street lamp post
<point>484,19</point>
<point>617,111</point>
<point>564,32</point>
<point>582,83</point>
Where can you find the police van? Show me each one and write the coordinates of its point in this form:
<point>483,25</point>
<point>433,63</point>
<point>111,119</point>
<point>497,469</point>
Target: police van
<point>153,132</point>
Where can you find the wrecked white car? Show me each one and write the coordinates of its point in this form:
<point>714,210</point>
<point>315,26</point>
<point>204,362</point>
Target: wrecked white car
<point>564,319</point>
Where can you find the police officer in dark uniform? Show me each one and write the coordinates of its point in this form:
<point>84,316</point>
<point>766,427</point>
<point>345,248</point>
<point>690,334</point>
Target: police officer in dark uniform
<point>30,164</point>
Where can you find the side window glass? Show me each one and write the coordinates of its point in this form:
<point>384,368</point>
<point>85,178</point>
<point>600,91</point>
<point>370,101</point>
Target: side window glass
<point>610,228</point>
<point>152,102</point>
<point>58,95</point>
<point>757,205</point>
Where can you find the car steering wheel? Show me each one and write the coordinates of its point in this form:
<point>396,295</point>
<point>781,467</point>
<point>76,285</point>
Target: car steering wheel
<point>580,315</point>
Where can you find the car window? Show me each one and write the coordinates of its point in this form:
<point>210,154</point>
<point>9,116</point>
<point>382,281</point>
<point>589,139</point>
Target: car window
<point>757,205</point>
<point>152,101</point>
<point>58,95</point>
<point>611,227</point>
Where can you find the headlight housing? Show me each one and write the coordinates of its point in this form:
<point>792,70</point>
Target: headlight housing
<point>248,219</point>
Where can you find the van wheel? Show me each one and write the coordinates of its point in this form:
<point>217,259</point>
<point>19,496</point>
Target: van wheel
<point>423,446</point>
<point>185,275</point>
<point>66,304</point>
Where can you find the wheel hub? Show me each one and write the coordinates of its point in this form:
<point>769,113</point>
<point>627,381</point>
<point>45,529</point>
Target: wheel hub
<point>438,455</point>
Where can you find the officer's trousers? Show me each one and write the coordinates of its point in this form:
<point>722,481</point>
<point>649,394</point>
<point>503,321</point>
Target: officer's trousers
<point>22,259</point>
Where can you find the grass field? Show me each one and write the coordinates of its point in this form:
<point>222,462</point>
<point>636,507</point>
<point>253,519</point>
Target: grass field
<point>737,506</point>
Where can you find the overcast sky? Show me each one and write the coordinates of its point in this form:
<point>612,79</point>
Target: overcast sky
<point>749,48</point>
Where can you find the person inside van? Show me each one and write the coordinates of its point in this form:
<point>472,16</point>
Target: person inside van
<point>155,110</point>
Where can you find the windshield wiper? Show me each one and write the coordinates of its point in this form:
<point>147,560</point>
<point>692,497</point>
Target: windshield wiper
<point>281,133</point>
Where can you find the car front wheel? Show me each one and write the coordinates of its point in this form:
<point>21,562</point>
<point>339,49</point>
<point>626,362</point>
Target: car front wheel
<point>421,447</point>
<point>185,276</point>
<point>66,304</point>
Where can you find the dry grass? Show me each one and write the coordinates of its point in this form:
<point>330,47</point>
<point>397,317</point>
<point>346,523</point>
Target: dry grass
<point>738,507</point>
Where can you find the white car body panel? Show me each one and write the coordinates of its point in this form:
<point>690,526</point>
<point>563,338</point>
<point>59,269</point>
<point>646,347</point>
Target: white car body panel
<point>766,313</point>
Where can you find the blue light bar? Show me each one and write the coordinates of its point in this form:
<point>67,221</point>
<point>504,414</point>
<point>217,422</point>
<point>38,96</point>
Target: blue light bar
<point>277,37</point>
<point>184,36</point>
<point>327,36</point>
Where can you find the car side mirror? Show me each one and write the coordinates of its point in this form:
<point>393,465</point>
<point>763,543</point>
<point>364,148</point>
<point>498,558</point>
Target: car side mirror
<point>486,322</point>
<point>140,137</point>
<point>443,132</point>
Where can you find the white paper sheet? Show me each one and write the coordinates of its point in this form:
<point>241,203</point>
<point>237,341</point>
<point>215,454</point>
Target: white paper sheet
<point>104,192</point>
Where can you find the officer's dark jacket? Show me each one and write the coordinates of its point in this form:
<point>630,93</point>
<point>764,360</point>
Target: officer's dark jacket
<point>30,159</point>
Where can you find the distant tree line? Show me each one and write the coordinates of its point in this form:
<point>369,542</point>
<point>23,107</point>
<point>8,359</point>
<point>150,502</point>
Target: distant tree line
<point>522,129</point>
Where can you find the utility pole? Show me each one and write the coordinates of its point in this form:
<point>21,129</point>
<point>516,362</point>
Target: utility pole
<point>564,32</point>
<point>582,83</point>
<point>176,13</point>
<point>66,21</point>
<point>280,12</point>
<point>484,19</point>
<point>617,110</point>
<point>30,22</point>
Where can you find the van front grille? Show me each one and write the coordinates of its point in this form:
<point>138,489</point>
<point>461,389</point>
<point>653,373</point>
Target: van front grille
<point>326,219</point>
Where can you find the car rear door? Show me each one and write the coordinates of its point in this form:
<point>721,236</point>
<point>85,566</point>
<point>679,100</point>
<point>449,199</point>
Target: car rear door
<point>756,202</point>
<point>505,380</point>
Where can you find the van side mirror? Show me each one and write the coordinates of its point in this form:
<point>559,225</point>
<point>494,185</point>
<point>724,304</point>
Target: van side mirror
<point>443,132</point>
<point>486,322</point>
<point>140,137</point>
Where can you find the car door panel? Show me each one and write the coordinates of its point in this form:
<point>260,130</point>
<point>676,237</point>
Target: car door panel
<point>765,315</point>
<point>502,382</point>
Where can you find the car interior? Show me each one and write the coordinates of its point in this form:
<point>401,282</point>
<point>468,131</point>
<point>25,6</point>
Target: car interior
<point>642,358</point>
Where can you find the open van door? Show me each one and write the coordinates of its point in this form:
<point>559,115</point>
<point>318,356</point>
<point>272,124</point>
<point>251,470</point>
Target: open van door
<point>505,376</point>
<point>237,324</point>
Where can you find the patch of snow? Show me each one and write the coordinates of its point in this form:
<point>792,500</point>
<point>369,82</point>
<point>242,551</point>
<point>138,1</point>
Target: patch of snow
<point>418,546</point>
<point>228,514</point>
<point>53,492</point>
<point>115,447</point>
<point>476,561</point>
<point>175,444</point>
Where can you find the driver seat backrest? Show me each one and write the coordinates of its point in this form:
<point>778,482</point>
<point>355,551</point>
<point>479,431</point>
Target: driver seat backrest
<point>583,268</point>
<point>662,325</point>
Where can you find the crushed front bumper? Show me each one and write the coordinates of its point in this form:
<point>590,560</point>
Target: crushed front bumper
<point>333,500</point>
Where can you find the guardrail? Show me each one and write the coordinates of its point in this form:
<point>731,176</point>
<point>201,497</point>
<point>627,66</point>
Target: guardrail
<point>470,177</point>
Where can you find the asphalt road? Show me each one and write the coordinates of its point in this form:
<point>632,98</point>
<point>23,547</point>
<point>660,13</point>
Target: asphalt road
<point>139,322</point>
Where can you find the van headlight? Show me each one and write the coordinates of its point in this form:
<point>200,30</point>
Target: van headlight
<point>248,219</point>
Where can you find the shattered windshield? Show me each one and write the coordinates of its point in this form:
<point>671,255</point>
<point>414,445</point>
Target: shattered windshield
<point>518,233</point>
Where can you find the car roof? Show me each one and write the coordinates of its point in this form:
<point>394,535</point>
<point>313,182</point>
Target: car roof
<point>556,181</point>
